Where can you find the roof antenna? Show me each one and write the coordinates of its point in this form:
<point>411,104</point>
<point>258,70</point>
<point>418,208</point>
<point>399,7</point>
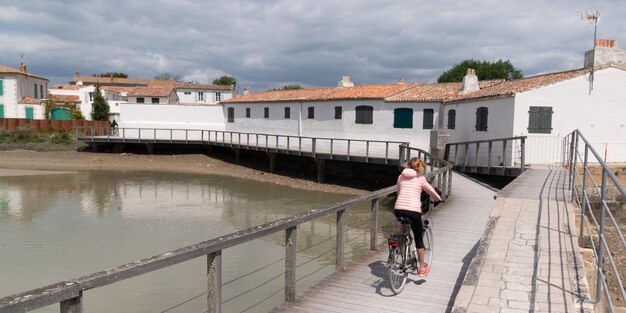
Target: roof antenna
<point>592,16</point>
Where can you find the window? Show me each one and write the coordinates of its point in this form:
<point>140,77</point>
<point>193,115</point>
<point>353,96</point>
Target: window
<point>481,119</point>
<point>429,118</point>
<point>338,113</point>
<point>540,120</point>
<point>41,91</point>
<point>287,112</point>
<point>364,114</point>
<point>231,115</point>
<point>91,97</point>
<point>248,112</point>
<point>1,88</point>
<point>452,119</point>
<point>187,93</point>
<point>218,96</point>
<point>140,100</point>
<point>403,118</point>
<point>36,92</point>
<point>311,113</point>
<point>200,96</point>
<point>266,112</point>
<point>155,100</point>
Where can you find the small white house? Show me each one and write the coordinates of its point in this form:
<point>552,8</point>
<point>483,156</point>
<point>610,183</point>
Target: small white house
<point>202,93</point>
<point>21,93</point>
<point>84,95</point>
<point>152,95</point>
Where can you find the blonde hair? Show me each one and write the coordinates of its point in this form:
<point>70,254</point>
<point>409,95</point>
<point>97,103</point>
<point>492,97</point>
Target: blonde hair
<point>417,164</point>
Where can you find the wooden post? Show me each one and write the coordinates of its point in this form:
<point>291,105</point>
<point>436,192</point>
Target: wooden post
<point>341,240</point>
<point>523,156</point>
<point>321,170</point>
<point>73,305</point>
<point>94,147</point>
<point>272,157</point>
<point>291,237</point>
<point>503,157</point>
<point>150,148</point>
<point>237,155</point>
<point>214,282</point>
<point>489,158</point>
<point>374,226</point>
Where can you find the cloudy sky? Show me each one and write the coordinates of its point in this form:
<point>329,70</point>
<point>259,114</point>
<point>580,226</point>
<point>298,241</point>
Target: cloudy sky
<point>271,43</point>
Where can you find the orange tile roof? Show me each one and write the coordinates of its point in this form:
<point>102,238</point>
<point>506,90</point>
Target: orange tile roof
<point>66,87</point>
<point>512,87</point>
<point>65,98</point>
<point>324,94</point>
<point>150,92</point>
<point>29,100</point>
<point>156,83</point>
<point>8,70</point>
<point>92,80</point>
<point>202,86</point>
<point>436,92</point>
<point>117,88</point>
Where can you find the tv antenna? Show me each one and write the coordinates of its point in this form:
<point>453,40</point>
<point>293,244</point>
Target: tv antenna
<point>592,16</point>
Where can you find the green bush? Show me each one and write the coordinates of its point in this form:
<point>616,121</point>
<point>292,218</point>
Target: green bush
<point>23,135</point>
<point>61,138</point>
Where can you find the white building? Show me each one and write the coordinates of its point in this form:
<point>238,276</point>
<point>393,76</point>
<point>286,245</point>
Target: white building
<point>82,96</point>
<point>21,93</point>
<point>202,93</point>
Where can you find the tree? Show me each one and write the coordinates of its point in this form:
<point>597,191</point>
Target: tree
<point>48,105</point>
<point>226,81</point>
<point>287,87</point>
<point>76,114</point>
<point>485,70</point>
<point>99,107</point>
<point>168,76</point>
<point>114,74</point>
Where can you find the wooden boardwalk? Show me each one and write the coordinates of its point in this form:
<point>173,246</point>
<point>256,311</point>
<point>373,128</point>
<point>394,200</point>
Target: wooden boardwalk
<point>517,253</point>
<point>458,226</point>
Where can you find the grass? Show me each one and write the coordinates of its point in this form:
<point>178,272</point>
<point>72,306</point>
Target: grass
<point>26,138</point>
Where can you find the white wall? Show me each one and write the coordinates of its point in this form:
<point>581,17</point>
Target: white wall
<point>325,125</point>
<point>209,95</point>
<point>600,116</point>
<point>9,96</point>
<point>171,116</point>
<point>16,87</point>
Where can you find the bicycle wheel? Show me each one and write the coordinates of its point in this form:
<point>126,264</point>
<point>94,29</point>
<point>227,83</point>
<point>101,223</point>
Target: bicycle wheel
<point>397,269</point>
<point>428,246</point>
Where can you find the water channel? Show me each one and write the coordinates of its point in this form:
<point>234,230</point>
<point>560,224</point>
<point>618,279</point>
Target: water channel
<point>60,226</point>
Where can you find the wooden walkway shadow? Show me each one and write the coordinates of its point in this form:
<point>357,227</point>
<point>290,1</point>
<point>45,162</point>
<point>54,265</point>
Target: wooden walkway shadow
<point>458,226</point>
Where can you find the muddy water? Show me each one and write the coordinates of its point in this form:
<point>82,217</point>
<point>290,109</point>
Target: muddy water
<point>60,226</point>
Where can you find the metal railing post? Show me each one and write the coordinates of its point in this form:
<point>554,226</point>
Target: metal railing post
<point>523,152</point>
<point>73,305</point>
<point>574,170</point>
<point>570,160</point>
<point>341,240</point>
<point>504,157</point>
<point>313,143</point>
<point>585,201</point>
<point>600,255</point>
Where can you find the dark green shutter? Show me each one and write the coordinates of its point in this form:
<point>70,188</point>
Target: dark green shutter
<point>266,112</point>
<point>452,119</point>
<point>403,118</point>
<point>1,88</point>
<point>287,113</point>
<point>482,115</point>
<point>36,92</point>
<point>540,120</point>
<point>311,113</point>
<point>231,115</point>
<point>1,109</point>
<point>338,111</point>
<point>364,114</point>
<point>429,116</point>
<point>29,113</point>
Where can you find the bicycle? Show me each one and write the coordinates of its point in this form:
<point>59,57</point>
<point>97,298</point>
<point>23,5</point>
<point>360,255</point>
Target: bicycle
<point>402,256</point>
<point>113,131</point>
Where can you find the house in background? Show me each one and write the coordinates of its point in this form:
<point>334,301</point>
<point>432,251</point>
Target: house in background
<point>202,94</point>
<point>21,93</point>
<point>547,107</point>
<point>84,95</point>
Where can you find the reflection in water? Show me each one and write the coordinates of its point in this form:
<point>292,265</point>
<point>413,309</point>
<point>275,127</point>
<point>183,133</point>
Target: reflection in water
<point>58,227</point>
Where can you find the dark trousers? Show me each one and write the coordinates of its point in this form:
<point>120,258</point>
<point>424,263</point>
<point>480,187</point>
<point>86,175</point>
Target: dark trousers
<point>416,225</point>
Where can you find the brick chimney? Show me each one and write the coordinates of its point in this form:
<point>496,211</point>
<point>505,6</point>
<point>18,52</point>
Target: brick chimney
<point>401,81</point>
<point>470,82</point>
<point>606,52</point>
<point>345,82</point>
<point>77,74</point>
<point>23,68</point>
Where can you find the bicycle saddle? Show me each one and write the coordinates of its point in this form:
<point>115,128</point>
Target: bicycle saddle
<point>404,220</point>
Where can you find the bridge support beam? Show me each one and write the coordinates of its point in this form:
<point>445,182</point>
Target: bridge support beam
<point>272,157</point>
<point>150,148</point>
<point>94,147</point>
<point>209,149</point>
<point>321,170</point>
<point>237,155</point>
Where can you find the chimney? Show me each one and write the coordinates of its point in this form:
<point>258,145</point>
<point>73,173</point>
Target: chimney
<point>246,90</point>
<point>470,82</point>
<point>111,74</point>
<point>605,51</point>
<point>401,81</point>
<point>345,82</point>
<point>77,74</point>
<point>23,68</point>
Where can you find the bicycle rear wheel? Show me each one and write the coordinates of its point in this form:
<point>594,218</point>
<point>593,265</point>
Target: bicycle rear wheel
<point>397,269</point>
<point>428,246</point>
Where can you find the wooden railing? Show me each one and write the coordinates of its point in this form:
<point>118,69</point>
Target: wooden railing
<point>70,293</point>
<point>331,148</point>
<point>478,156</point>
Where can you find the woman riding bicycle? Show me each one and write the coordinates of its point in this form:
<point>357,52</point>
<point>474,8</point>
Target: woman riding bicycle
<point>411,182</point>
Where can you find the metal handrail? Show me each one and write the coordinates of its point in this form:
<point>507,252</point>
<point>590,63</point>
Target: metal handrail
<point>579,188</point>
<point>489,143</point>
<point>69,293</point>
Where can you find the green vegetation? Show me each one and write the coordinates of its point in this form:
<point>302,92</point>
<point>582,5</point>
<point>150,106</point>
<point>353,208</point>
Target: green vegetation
<point>226,81</point>
<point>168,76</point>
<point>48,105</point>
<point>114,74</point>
<point>485,70</point>
<point>29,139</point>
<point>287,87</point>
<point>100,107</point>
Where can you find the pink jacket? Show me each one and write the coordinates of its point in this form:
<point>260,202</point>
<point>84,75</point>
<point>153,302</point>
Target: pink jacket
<point>410,186</point>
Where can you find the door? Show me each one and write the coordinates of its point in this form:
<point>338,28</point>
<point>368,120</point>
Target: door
<point>1,110</point>
<point>29,113</point>
<point>60,114</point>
